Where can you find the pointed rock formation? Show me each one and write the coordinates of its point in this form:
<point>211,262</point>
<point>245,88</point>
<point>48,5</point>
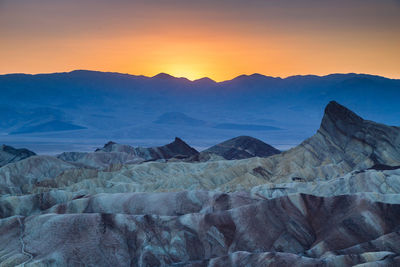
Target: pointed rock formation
<point>365,141</point>
<point>177,148</point>
<point>343,143</point>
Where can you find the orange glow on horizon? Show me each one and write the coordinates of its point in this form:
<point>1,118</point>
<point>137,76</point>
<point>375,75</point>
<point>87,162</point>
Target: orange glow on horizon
<point>219,59</point>
<point>203,40</point>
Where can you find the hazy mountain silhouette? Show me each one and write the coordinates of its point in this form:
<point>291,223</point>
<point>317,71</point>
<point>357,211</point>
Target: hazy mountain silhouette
<point>178,118</point>
<point>120,106</point>
<point>51,126</point>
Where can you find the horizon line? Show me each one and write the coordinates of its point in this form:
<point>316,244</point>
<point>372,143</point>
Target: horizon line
<point>165,75</point>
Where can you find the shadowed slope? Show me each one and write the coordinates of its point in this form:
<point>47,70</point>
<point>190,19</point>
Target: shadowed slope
<point>343,143</point>
<point>8,154</point>
<point>242,147</point>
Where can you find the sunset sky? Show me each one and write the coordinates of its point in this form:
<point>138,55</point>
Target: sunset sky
<point>220,39</point>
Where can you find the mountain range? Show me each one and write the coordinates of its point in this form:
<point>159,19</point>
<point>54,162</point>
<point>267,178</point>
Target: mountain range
<point>66,108</point>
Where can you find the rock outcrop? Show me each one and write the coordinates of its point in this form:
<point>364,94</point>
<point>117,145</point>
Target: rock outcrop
<point>343,143</point>
<point>177,149</point>
<point>74,197</point>
<point>113,153</point>
<point>302,230</point>
<point>23,176</point>
<point>99,160</point>
<point>242,147</point>
<point>9,154</point>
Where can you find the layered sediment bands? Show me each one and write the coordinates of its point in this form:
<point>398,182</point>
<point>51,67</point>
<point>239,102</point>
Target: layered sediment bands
<point>173,203</point>
<point>383,186</point>
<point>242,258</point>
<point>152,177</point>
<point>323,230</point>
<point>219,175</point>
<point>114,154</point>
<point>99,160</point>
<point>20,177</point>
<point>379,186</point>
<point>344,143</point>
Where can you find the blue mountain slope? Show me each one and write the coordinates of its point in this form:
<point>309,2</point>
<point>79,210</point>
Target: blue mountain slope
<point>114,105</point>
<point>51,126</point>
<point>178,118</point>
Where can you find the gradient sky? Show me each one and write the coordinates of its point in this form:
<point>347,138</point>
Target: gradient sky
<point>216,38</point>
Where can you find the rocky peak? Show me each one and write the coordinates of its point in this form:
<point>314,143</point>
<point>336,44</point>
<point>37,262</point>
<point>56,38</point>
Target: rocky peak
<point>107,147</point>
<point>340,121</point>
<point>335,112</point>
<point>180,147</point>
<point>110,143</point>
<point>179,141</point>
<point>360,140</point>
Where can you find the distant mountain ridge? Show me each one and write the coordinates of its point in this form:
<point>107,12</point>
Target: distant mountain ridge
<point>114,106</point>
<point>179,119</point>
<point>163,75</point>
<point>50,126</point>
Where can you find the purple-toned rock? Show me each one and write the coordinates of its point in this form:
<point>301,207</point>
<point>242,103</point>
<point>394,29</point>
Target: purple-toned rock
<point>301,229</point>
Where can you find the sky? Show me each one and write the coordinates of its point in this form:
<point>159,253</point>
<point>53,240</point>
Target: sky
<point>220,39</point>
